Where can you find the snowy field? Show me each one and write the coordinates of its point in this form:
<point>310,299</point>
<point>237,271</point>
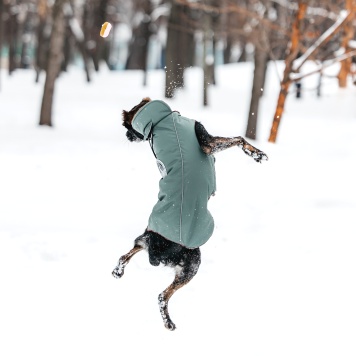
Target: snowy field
<point>277,277</point>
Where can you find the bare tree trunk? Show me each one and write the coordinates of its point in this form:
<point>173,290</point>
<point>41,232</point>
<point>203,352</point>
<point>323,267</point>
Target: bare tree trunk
<point>174,50</point>
<point>208,58</point>
<point>40,53</point>
<point>100,18</point>
<point>54,62</point>
<point>243,55</point>
<point>261,60</point>
<point>227,49</point>
<point>261,55</point>
<point>286,81</point>
<point>13,32</point>
<point>78,35</point>
<point>138,51</point>
<point>83,51</point>
<point>67,48</point>
<point>25,35</point>
<point>41,48</point>
<point>348,35</point>
<point>290,59</point>
<point>318,88</point>
<point>139,47</point>
<point>1,33</point>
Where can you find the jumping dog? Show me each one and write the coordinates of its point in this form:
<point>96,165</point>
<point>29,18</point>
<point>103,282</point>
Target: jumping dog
<point>184,259</point>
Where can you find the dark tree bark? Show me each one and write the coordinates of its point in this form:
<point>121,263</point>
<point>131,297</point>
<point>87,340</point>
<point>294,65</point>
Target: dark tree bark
<point>180,42</point>
<point>320,81</point>
<point>97,51</point>
<point>42,40</point>
<point>75,34</point>
<point>25,30</point>
<point>174,73</point>
<point>83,51</point>
<point>13,33</point>
<point>1,32</point>
<point>227,49</point>
<point>137,58</point>
<point>88,45</point>
<point>138,49</point>
<point>67,48</point>
<point>261,61</point>
<point>54,62</point>
<point>261,57</point>
<point>243,56</point>
<point>208,58</point>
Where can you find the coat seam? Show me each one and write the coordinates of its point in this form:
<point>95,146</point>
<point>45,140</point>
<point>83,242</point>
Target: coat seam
<point>182,189</point>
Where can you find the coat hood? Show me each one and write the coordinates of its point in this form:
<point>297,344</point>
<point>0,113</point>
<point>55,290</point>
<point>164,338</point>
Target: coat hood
<point>150,115</point>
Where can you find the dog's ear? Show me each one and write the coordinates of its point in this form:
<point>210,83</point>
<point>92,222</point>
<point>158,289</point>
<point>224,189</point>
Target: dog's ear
<point>125,117</point>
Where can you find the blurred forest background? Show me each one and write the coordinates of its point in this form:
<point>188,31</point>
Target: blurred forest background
<point>47,36</point>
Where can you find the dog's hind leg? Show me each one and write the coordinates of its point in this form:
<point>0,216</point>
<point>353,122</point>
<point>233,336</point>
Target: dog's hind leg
<point>141,243</point>
<point>183,276</point>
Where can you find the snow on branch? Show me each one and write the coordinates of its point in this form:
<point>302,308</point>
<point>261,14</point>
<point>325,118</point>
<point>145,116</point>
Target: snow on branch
<point>352,44</point>
<point>231,7</point>
<point>343,17</point>
<point>316,11</point>
<point>298,76</point>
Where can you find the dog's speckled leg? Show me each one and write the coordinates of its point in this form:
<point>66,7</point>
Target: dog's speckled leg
<point>183,276</point>
<point>141,243</point>
<point>163,308</point>
<point>119,270</point>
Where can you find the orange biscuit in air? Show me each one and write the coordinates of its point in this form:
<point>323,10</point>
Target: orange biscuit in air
<point>105,29</point>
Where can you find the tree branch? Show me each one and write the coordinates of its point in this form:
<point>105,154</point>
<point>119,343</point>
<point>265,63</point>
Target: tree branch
<point>232,8</point>
<point>316,11</point>
<point>294,77</point>
<point>324,38</point>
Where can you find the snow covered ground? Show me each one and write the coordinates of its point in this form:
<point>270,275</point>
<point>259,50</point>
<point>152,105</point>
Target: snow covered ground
<point>277,277</point>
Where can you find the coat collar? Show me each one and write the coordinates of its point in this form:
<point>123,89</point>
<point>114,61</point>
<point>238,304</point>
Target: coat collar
<point>149,116</point>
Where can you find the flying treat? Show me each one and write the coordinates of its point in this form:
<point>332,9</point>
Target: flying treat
<point>105,29</point>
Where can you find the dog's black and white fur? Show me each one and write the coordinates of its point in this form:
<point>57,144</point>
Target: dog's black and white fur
<point>185,261</point>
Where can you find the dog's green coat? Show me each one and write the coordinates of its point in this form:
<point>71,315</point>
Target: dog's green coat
<point>181,213</point>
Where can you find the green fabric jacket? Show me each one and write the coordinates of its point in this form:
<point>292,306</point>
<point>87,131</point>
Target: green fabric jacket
<point>188,176</point>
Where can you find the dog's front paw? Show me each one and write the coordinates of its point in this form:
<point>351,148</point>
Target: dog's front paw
<point>259,156</point>
<point>255,153</point>
<point>118,272</point>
